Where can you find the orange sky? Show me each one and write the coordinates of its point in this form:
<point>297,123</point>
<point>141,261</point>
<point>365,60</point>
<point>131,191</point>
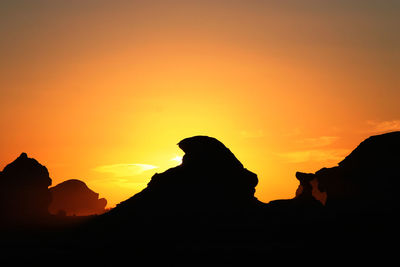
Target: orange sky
<point>102,91</point>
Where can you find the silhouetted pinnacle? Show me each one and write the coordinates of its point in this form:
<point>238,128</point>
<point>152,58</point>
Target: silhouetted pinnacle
<point>23,155</point>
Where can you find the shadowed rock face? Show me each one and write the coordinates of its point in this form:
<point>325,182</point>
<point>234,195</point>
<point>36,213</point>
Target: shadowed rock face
<point>24,193</point>
<point>73,197</point>
<point>209,180</point>
<point>366,180</point>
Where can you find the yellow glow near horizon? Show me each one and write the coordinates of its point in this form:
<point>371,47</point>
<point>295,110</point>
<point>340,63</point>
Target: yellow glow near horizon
<point>123,170</point>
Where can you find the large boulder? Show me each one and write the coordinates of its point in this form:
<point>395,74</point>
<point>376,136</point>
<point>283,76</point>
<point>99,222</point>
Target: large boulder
<point>210,180</point>
<point>74,197</point>
<point>367,180</point>
<point>24,193</point>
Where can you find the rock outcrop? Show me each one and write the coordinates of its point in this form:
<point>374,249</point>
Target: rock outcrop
<point>73,197</point>
<point>205,209</point>
<point>210,180</point>
<point>24,194</point>
<point>367,180</point>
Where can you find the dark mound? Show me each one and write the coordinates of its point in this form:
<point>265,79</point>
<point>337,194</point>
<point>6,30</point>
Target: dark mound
<point>211,180</point>
<point>367,180</point>
<point>204,211</point>
<point>24,194</point>
<point>73,197</point>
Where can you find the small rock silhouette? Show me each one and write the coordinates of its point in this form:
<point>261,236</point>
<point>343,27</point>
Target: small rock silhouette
<point>73,197</point>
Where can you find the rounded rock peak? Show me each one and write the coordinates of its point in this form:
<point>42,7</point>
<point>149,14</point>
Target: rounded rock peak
<point>207,149</point>
<point>379,150</point>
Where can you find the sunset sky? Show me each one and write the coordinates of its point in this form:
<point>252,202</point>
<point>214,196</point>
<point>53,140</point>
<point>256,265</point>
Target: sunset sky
<point>102,91</point>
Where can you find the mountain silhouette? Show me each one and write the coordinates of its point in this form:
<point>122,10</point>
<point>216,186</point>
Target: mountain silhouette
<point>367,180</point>
<point>210,180</point>
<point>73,197</point>
<point>205,209</point>
<point>208,202</point>
<point>24,194</point>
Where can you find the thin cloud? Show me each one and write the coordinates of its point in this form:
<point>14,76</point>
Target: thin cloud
<point>315,155</point>
<point>125,170</point>
<point>317,141</point>
<point>384,126</point>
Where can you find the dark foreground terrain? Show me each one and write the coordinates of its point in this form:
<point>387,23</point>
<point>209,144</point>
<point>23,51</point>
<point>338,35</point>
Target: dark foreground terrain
<point>204,212</point>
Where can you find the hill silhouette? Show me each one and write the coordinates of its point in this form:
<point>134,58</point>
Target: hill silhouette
<point>74,197</point>
<point>24,194</point>
<point>210,187</point>
<point>205,209</point>
<point>209,200</point>
<point>26,199</point>
<point>367,180</point>
<point>209,180</point>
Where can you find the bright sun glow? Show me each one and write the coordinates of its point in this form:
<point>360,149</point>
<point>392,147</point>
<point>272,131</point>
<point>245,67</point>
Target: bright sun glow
<point>123,170</point>
<point>177,159</point>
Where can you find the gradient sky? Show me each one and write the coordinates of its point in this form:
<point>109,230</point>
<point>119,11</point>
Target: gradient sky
<point>102,91</point>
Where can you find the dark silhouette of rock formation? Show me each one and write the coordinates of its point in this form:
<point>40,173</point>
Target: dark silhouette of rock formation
<point>24,194</point>
<point>210,180</point>
<point>367,180</point>
<point>205,209</point>
<point>74,197</point>
<point>208,202</point>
